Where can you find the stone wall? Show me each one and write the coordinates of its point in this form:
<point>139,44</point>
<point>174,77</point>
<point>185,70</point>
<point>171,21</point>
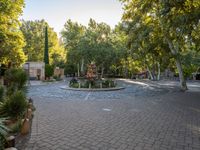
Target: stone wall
<point>59,72</point>
<point>36,70</point>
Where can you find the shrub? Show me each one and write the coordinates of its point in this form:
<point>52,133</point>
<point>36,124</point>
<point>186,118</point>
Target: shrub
<point>1,93</point>
<point>16,77</point>
<point>88,83</point>
<point>10,75</point>
<point>16,127</point>
<point>14,106</point>
<point>70,69</point>
<point>48,71</point>
<point>21,78</point>
<point>57,78</point>
<point>94,84</point>
<point>108,83</point>
<point>10,90</point>
<point>74,85</point>
<point>3,133</point>
<point>73,81</point>
<point>2,69</point>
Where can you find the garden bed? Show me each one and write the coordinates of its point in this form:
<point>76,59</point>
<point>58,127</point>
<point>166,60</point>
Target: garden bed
<point>16,111</point>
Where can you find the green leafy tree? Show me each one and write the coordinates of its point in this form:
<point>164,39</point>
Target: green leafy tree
<point>173,20</point>
<point>35,39</point>
<point>71,36</point>
<point>85,45</point>
<point>11,38</point>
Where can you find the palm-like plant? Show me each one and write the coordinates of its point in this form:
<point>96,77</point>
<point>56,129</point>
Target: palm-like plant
<point>3,132</point>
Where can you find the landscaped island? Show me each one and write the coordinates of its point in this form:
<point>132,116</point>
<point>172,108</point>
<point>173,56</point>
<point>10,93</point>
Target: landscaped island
<point>92,81</point>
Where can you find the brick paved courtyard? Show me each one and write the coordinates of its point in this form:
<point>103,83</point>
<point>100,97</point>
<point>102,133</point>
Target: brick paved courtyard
<point>144,116</point>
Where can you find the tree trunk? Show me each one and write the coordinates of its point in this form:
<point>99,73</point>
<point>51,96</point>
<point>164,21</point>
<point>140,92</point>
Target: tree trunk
<point>126,69</point>
<point>174,51</point>
<point>78,69</point>
<point>197,70</point>
<point>158,75</point>
<point>181,76</point>
<point>102,71</point>
<point>125,72</point>
<point>151,76</point>
<point>82,66</point>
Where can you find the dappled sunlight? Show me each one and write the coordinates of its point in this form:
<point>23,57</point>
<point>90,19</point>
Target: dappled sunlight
<point>195,109</point>
<point>169,83</point>
<point>134,82</point>
<point>195,129</point>
<point>192,85</point>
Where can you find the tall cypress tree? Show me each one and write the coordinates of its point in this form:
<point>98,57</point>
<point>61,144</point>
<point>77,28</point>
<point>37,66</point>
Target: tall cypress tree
<point>46,49</point>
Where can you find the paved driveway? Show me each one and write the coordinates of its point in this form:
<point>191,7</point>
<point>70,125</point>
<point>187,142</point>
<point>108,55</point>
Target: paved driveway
<point>144,116</point>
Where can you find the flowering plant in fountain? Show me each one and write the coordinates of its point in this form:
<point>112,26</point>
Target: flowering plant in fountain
<point>91,80</point>
<point>91,73</point>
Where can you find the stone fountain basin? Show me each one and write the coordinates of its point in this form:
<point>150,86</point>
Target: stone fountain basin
<point>92,89</point>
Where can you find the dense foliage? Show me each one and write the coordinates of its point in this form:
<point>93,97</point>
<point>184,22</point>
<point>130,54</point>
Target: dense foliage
<point>95,43</point>
<point>97,84</point>
<point>34,34</point>
<point>1,93</point>
<point>16,78</point>
<point>163,29</point>
<point>3,133</point>
<point>11,38</point>
<point>14,106</point>
<point>48,71</point>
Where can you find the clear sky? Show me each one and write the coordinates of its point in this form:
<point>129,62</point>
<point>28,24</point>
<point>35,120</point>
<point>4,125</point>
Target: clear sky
<point>57,12</point>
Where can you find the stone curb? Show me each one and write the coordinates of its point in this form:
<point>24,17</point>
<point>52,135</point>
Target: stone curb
<point>93,90</point>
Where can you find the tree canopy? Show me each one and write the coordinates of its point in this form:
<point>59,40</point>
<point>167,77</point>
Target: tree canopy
<point>95,43</point>
<point>11,38</point>
<point>162,27</point>
<point>34,34</point>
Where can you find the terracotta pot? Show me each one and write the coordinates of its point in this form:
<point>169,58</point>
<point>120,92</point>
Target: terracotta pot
<point>25,127</point>
<point>30,105</point>
<point>11,148</point>
<point>29,114</point>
